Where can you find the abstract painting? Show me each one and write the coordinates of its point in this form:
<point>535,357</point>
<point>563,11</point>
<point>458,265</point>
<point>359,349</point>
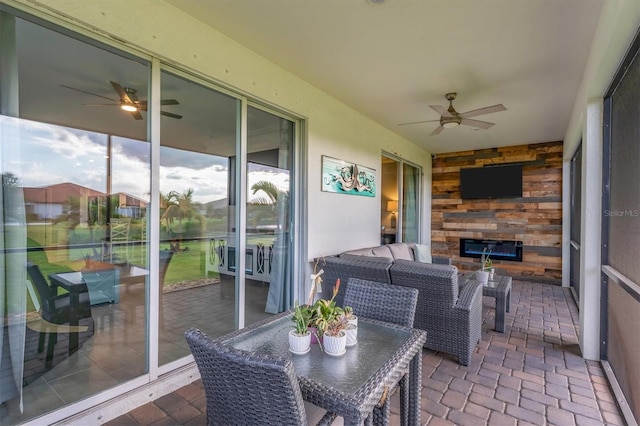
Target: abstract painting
<point>343,177</point>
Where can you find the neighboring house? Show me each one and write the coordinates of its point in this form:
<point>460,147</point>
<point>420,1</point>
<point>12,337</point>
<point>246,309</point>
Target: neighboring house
<point>48,202</point>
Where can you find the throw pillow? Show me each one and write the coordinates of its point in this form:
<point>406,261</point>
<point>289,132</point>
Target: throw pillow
<point>422,253</point>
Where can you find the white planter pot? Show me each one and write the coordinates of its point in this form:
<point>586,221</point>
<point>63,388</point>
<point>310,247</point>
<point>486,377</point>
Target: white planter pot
<point>353,320</point>
<point>352,334</point>
<point>335,345</point>
<point>491,273</point>
<point>482,276</point>
<point>299,344</point>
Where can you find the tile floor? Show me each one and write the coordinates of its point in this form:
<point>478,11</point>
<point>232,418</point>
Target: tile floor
<point>531,374</point>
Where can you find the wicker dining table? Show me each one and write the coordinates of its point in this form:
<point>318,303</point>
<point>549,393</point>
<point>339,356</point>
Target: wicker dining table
<point>352,384</point>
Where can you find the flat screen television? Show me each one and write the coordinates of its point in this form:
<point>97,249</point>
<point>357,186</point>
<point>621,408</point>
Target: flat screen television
<point>503,181</point>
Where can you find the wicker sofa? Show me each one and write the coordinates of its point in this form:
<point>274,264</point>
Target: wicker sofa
<point>452,316</point>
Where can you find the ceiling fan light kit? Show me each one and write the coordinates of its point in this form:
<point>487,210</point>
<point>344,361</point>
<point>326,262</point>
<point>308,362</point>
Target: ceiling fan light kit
<point>128,108</point>
<point>450,118</point>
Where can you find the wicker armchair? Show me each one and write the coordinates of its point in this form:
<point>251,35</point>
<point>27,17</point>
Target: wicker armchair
<point>384,302</point>
<point>451,317</point>
<point>247,389</point>
<point>351,266</point>
<point>390,303</point>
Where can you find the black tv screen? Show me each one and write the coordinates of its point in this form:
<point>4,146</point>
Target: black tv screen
<point>504,181</point>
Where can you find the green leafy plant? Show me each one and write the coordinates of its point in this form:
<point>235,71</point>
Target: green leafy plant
<point>348,312</point>
<point>486,261</point>
<point>327,317</point>
<point>301,319</point>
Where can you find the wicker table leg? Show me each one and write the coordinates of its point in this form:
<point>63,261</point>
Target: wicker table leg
<point>503,304</point>
<point>415,389</point>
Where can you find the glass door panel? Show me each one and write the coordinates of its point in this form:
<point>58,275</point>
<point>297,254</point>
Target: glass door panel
<point>197,160</point>
<point>268,286</point>
<point>410,203</point>
<point>400,201</point>
<point>389,204</point>
<point>73,164</point>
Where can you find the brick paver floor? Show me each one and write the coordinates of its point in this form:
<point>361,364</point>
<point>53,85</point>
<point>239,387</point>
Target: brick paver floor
<point>531,374</point>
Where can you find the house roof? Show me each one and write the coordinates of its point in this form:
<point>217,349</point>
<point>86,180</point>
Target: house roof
<point>61,192</point>
<point>58,193</point>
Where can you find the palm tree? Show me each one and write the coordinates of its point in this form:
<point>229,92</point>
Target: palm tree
<point>273,196</point>
<point>178,207</point>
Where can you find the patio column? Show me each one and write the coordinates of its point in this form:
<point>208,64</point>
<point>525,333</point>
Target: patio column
<point>590,249</point>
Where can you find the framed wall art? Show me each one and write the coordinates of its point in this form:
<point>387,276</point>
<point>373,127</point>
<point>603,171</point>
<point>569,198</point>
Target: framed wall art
<point>343,177</point>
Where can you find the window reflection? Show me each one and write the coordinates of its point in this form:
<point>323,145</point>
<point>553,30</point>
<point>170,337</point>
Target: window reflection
<point>196,174</point>
<point>73,165</point>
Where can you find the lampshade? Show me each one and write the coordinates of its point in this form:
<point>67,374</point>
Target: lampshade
<point>392,206</point>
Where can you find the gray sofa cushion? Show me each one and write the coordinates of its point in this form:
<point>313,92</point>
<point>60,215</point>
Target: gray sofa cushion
<point>401,251</point>
<point>360,252</point>
<point>382,251</point>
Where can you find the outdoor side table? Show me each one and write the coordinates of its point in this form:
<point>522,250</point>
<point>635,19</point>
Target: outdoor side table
<point>498,287</point>
<point>352,384</point>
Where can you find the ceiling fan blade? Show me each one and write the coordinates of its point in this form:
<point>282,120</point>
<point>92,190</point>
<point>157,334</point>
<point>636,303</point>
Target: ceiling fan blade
<point>441,110</point>
<point>417,122</point>
<point>99,105</point>
<point>476,123</point>
<point>485,110</point>
<point>436,131</point>
<point>136,115</point>
<point>162,102</point>
<point>88,93</point>
<point>123,95</point>
<point>169,114</point>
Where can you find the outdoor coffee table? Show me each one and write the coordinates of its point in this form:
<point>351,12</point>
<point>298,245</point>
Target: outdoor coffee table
<point>498,287</point>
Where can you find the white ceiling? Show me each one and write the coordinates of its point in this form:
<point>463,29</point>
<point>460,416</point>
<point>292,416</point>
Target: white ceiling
<point>392,60</point>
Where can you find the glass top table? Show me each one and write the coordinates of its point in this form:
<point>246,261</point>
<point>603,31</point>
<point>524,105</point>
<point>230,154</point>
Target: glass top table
<point>352,384</point>
<point>498,287</point>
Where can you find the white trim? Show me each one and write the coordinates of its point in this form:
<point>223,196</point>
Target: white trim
<point>241,217</point>
<point>102,411</point>
<point>591,236</point>
<point>153,287</point>
<point>566,223</point>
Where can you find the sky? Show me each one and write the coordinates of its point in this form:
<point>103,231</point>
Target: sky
<point>49,154</point>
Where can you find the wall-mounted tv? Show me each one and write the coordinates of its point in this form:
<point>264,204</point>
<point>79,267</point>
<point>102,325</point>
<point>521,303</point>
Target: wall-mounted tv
<point>503,181</point>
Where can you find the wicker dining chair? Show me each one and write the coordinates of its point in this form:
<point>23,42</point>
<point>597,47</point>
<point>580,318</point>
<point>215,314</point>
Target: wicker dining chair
<point>242,388</point>
<point>389,303</point>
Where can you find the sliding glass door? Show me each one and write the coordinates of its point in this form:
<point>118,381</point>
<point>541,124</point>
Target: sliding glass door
<point>196,215</point>
<point>400,200</point>
<point>76,184</point>
<point>268,280</point>
<point>113,242</point>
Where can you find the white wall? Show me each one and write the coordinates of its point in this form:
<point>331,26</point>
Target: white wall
<point>335,222</point>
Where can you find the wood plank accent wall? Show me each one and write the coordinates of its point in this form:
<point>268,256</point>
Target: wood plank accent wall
<point>535,219</point>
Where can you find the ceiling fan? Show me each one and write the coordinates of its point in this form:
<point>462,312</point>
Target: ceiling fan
<point>129,101</point>
<point>451,118</point>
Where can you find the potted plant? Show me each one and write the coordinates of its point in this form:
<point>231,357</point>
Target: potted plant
<point>334,338</point>
<point>488,267</point>
<point>330,322</point>
<point>351,317</point>
<point>300,336</point>
<point>483,274</point>
<point>351,329</point>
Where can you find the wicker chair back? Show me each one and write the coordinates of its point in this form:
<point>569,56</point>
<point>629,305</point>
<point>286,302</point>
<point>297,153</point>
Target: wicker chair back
<point>243,388</point>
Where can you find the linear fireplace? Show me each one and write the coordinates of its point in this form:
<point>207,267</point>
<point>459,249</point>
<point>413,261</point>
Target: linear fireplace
<point>498,249</point>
